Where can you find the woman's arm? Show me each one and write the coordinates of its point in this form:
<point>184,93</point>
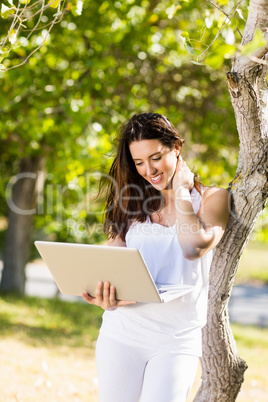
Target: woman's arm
<point>117,242</point>
<point>201,232</point>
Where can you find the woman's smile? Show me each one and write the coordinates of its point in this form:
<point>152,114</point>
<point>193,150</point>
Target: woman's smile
<point>156,179</point>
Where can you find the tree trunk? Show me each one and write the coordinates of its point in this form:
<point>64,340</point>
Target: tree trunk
<point>21,210</point>
<point>222,368</point>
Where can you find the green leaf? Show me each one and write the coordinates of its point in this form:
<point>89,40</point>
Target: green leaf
<point>197,63</point>
<point>217,56</point>
<point>185,35</point>
<point>215,60</point>
<point>226,50</point>
<point>8,12</point>
<point>187,43</point>
<point>54,3</point>
<point>189,48</point>
<point>3,55</point>
<point>257,43</point>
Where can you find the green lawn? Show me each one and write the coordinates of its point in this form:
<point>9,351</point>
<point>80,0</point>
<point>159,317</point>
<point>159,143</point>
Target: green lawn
<point>47,345</point>
<point>252,344</point>
<point>49,322</point>
<point>253,267</point>
<point>47,352</point>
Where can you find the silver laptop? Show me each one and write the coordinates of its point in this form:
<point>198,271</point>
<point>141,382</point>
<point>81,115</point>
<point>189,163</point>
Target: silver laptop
<point>77,268</point>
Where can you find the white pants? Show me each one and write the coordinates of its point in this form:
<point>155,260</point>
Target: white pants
<point>130,374</point>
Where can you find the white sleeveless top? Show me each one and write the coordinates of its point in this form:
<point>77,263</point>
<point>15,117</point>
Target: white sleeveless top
<point>176,325</point>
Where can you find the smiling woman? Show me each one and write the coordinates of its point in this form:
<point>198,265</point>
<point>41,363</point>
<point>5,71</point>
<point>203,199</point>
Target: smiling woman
<point>157,168</point>
<point>130,195</point>
<point>149,351</point>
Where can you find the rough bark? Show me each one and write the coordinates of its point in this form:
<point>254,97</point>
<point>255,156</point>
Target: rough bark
<point>222,368</point>
<point>21,211</point>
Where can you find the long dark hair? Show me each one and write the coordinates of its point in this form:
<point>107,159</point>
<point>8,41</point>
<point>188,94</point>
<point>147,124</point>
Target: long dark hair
<point>129,196</point>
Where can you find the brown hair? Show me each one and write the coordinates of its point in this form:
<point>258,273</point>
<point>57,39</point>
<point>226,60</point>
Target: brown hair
<point>129,196</point>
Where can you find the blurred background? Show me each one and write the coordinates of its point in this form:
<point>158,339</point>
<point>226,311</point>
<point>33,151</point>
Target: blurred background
<point>59,115</point>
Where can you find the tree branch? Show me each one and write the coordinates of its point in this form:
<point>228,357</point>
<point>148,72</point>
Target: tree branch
<point>258,15</point>
<point>27,13</point>
<point>56,20</point>
<point>257,18</point>
<point>225,22</point>
<point>258,61</point>
<point>219,8</point>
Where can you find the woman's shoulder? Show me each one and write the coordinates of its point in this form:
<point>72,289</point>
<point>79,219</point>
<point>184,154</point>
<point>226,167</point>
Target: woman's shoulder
<point>217,199</point>
<point>116,242</point>
<point>215,192</point>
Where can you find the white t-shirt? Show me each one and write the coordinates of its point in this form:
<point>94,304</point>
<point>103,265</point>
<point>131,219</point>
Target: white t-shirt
<point>176,325</point>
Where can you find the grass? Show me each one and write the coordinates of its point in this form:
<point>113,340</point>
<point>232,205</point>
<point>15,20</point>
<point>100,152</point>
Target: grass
<point>253,347</point>
<point>51,322</point>
<point>253,267</point>
<point>47,352</point>
<point>47,346</point>
<point>252,344</point>
<point>40,373</point>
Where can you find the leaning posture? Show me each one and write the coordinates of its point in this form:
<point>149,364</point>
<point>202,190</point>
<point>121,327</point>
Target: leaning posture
<point>149,352</point>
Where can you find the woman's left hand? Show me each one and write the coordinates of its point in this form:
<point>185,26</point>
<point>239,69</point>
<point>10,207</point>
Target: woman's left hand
<point>105,297</point>
<point>183,177</point>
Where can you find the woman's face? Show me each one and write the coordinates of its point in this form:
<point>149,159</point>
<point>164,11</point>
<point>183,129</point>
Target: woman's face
<point>155,162</point>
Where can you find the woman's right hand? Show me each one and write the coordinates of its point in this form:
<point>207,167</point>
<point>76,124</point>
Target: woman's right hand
<point>183,177</point>
<point>105,297</point>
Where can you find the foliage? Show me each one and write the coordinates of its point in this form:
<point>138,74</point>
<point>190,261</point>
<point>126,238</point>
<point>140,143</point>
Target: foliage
<point>94,71</point>
<point>21,19</point>
<point>210,37</point>
<point>257,43</point>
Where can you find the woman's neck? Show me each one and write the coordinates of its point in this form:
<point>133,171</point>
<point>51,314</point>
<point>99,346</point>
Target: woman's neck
<point>168,194</point>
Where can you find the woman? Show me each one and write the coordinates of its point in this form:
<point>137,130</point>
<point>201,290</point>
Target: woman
<point>149,352</point>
